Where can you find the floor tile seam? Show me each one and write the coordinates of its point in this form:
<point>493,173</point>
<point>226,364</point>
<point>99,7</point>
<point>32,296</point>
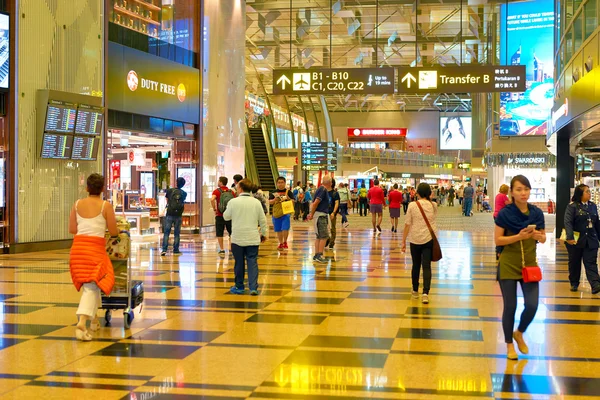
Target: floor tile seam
<point>83,385</point>
<point>205,386</point>
<point>201,309</point>
<point>491,356</point>
<point>391,389</point>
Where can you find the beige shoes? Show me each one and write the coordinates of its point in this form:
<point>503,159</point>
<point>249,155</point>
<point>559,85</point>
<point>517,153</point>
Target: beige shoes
<point>82,335</point>
<point>518,336</point>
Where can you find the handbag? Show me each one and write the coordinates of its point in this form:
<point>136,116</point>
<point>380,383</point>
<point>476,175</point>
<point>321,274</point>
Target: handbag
<point>283,208</point>
<point>532,273</point>
<point>436,252</point>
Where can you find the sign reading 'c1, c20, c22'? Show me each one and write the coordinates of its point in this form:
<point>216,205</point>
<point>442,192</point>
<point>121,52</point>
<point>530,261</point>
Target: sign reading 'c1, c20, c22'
<point>144,84</point>
<point>334,81</point>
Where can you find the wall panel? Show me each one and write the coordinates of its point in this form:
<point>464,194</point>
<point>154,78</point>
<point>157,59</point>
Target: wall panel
<point>60,47</point>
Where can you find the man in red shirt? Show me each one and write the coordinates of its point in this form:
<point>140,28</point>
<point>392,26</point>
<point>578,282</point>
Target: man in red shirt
<point>377,200</point>
<point>219,208</point>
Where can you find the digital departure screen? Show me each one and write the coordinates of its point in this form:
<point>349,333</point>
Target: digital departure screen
<point>90,120</point>
<point>60,117</point>
<point>56,146</point>
<point>85,148</point>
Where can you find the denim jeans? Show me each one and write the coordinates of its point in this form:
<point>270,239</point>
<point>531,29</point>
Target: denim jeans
<point>245,255</point>
<point>468,206</point>
<point>169,222</point>
<point>344,212</point>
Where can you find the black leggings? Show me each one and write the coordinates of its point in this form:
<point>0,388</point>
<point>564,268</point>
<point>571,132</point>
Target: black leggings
<point>531,294</point>
<point>421,256</point>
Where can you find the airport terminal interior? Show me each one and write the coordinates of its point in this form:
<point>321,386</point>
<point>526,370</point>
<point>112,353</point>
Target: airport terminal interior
<point>299,199</point>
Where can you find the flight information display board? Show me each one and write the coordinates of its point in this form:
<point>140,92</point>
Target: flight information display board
<point>90,120</point>
<point>60,117</point>
<point>319,156</point>
<point>334,81</point>
<point>85,148</point>
<point>56,146</point>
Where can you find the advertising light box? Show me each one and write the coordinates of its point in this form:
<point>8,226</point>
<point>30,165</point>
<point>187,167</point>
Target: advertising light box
<point>527,39</point>
<point>4,51</point>
<point>140,83</point>
<point>455,133</point>
<point>376,133</point>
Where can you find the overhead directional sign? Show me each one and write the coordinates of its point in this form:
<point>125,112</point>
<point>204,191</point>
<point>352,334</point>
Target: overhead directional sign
<point>334,81</point>
<point>464,79</point>
<point>464,165</point>
<point>319,156</point>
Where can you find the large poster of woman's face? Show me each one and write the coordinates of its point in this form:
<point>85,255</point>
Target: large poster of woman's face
<point>455,133</point>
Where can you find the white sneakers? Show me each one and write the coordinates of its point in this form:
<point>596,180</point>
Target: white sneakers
<point>424,297</point>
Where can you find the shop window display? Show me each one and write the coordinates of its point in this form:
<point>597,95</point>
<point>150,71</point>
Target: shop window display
<point>166,21</point>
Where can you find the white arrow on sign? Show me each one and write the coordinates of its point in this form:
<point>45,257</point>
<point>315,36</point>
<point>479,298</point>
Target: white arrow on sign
<point>408,77</point>
<point>283,80</point>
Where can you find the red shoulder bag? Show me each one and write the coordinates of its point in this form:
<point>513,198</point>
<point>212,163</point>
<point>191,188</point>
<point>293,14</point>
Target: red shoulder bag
<point>530,274</point>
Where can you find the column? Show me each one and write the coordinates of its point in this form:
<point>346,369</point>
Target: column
<point>565,178</point>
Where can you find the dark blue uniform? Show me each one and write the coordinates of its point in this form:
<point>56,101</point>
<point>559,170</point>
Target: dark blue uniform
<point>583,218</point>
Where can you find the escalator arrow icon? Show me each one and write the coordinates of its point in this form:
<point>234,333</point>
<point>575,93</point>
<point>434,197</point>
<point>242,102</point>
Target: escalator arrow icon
<point>408,77</point>
<point>283,80</point>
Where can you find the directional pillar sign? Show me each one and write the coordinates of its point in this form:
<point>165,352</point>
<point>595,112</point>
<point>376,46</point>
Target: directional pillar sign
<point>334,81</point>
<point>464,79</point>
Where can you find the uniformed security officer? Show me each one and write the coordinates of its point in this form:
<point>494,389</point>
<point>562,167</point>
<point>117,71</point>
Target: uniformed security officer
<point>582,217</point>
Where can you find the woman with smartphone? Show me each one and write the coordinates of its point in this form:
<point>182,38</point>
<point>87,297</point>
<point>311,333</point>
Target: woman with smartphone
<point>581,220</point>
<point>519,227</point>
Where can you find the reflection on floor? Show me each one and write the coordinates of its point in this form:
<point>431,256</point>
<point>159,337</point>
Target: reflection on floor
<point>348,329</point>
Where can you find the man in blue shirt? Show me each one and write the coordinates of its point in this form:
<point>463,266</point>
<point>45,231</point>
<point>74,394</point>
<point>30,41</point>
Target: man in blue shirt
<point>319,211</point>
<point>468,194</point>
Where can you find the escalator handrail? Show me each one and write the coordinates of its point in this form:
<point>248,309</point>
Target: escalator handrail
<point>251,168</point>
<point>271,153</point>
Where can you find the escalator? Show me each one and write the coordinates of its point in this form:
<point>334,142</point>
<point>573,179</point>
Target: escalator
<point>261,166</point>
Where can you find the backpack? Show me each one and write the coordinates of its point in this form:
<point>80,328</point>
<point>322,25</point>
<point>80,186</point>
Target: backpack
<point>307,196</point>
<point>224,199</point>
<point>175,205</point>
<point>261,198</point>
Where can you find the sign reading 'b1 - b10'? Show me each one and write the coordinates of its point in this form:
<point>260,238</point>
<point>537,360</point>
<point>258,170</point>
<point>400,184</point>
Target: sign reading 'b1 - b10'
<point>334,81</point>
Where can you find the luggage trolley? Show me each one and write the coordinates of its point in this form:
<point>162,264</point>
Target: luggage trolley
<point>127,294</point>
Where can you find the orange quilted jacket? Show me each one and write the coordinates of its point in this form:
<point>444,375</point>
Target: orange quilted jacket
<point>90,263</point>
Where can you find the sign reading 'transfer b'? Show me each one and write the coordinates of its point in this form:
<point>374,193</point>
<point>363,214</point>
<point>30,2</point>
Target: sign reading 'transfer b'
<point>334,81</point>
<point>464,79</point>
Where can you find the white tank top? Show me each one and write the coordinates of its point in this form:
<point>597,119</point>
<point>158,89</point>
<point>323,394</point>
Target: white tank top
<point>91,226</point>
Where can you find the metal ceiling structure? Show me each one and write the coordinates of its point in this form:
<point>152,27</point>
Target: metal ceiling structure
<point>368,33</point>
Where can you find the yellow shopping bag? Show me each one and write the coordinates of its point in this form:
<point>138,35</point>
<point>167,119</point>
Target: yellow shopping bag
<point>283,208</point>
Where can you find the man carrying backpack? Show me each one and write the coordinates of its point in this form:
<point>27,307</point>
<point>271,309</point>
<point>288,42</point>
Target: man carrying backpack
<point>175,205</point>
<point>220,198</point>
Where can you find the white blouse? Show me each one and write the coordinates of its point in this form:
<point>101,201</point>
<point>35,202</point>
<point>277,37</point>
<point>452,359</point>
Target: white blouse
<point>418,232</point>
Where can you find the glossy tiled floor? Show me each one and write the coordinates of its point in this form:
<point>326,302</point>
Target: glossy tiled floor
<point>344,330</point>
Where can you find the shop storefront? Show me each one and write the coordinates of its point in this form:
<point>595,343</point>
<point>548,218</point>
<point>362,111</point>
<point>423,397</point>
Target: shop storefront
<point>152,138</point>
<point>377,138</point>
<point>256,108</point>
<point>539,168</point>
